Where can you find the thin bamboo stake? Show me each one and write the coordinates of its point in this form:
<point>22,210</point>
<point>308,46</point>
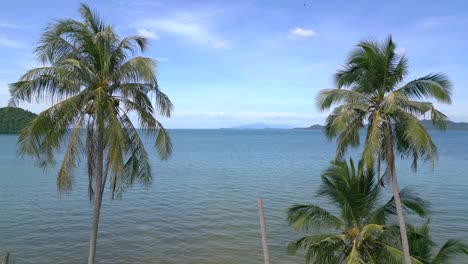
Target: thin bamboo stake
<point>263,230</point>
<point>5,258</point>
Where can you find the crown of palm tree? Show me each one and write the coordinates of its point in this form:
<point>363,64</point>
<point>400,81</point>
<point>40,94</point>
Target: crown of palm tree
<point>370,90</point>
<point>94,82</point>
<point>355,234</point>
<point>423,248</point>
<point>376,96</point>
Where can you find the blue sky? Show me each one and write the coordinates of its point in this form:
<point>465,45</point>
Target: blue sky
<point>228,63</point>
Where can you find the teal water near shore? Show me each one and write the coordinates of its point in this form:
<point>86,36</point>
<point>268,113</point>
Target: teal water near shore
<point>202,205</point>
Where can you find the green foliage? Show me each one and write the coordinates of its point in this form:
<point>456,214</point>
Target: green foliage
<point>94,80</point>
<point>424,249</point>
<point>370,91</point>
<point>371,95</point>
<point>357,234</point>
<point>13,120</point>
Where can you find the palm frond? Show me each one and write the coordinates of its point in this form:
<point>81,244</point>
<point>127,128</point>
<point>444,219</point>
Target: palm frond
<point>449,250</point>
<point>71,158</point>
<point>94,79</point>
<point>46,84</point>
<point>345,121</point>
<point>91,19</point>
<point>410,201</point>
<point>354,190</point>
<point>46,131</point>
<point>319,248</point>
<point>138,165</point>
<point>354,256</point>
<point>374,139</point>
<point>311,217</point>
<point>371,229</point>
<point>328,97</point>
<point>413,139</point>
<point>393,101</point>
<point>136,70</point>
<point>433,86</point>
<point>396,255</point>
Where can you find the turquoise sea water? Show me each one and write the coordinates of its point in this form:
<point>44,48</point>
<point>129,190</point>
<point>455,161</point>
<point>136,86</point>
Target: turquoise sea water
<point>202,206</point>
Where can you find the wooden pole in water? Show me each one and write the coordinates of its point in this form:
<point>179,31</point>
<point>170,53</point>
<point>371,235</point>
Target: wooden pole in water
<point>263,230</point>
<point>5,258</point>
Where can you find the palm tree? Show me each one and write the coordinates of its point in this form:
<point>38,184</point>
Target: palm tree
<point>94,81</point>
<point>370,91</point>
<point>355,234</point>
<point>423,248</point>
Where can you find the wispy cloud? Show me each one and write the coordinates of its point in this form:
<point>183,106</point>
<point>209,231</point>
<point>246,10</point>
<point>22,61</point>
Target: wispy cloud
<point>162,59</point>
<point>4,93</point>
<point>221,44</point>
<point>151,34</point>
<point>140,3</point>
<point>218,119</point>
<point>215,113</point>
<point>190,26</point>
<point>442,22</point>
<point>302,33</point>
<point>8,42</point>
<point>8,25</point>
<point>400,51</point>
<point>255,116</point>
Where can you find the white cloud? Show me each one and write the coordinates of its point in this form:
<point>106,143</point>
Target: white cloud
<point>278,115</point>
<point>400,51</point>
<point>302,33</point>
<point>224,119</point>
<point>4,24</point>
<point>151,34</point>
<point>193,27</point>
<point>140,3</point>
<point>442,22</point>
<point>4,93</point>
<point>255,116</point>
<point>7,42</point>
<point>215,113</point>
<point>221,45</point>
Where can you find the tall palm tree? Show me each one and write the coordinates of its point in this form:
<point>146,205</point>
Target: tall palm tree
<point>355,234</point>
<point>423,247</point>
<point>370,90</point>
<point>94,81</point>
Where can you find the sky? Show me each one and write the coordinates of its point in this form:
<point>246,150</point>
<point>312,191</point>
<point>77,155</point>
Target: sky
<point>230,63</point>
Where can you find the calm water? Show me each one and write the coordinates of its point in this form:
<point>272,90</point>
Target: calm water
<point>202,206</point>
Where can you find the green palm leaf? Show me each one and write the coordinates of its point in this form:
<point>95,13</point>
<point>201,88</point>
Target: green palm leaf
<point>94,80</point>
<point>370,91</point>
<point>360,232</point>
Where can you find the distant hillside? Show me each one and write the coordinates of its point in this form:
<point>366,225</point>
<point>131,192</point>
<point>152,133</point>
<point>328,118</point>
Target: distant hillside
<point>312,127</point>
<point>260,126</point>
<point>13,119</point>
<point>426,123</point>
<point>450,125</point>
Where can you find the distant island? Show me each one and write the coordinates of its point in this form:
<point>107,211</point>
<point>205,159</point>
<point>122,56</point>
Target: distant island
<point>312,127</point>
<point>426,123</point>
<point>13,119</point>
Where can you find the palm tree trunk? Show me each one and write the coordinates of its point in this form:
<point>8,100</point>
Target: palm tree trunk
<point>266,256</point>
<point>6,258</point>
<point>98,190</point>
<point>396,196</point>
<point>401,219</point>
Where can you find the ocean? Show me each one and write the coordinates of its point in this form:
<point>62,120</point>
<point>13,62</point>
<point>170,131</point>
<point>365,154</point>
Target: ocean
<point>202,205</point>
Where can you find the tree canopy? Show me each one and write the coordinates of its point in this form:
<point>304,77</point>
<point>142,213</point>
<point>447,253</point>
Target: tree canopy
<point>13,119</point>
